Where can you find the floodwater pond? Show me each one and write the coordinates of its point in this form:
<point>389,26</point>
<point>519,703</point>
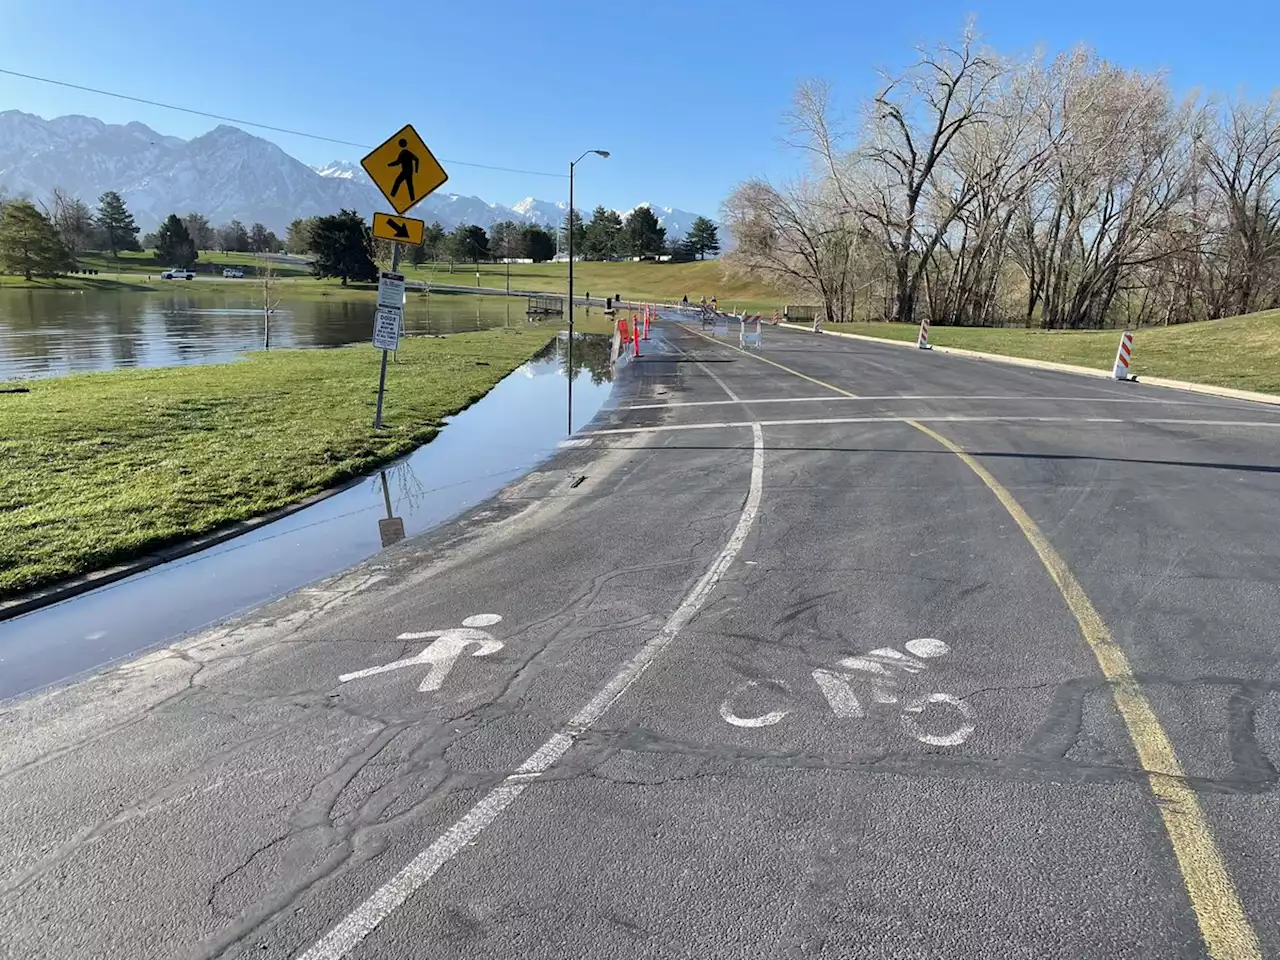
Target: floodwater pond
<point>47,333</point>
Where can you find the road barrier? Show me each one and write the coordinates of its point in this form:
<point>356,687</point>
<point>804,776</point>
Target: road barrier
<point>635,334</point>
<point>1124,355</point>
<point>750,341</point>
<point>922,341</point>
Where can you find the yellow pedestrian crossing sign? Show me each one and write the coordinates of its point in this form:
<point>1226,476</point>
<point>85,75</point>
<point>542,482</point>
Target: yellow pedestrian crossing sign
<point>387,226</point>
<point>404,169</point>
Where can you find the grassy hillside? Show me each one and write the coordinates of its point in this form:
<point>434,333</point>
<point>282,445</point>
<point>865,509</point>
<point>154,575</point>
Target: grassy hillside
<point>1241,352</point>
<point>648,280</point>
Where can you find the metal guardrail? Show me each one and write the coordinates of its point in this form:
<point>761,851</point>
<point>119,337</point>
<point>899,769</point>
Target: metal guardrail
<point>798,312</point>
<point>545,307</point>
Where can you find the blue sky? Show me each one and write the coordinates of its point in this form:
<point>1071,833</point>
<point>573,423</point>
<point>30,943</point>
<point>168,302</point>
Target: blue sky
<point>687,95</point>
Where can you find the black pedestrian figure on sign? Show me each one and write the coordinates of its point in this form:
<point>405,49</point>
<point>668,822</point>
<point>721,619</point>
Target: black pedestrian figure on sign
<point>407,161</point>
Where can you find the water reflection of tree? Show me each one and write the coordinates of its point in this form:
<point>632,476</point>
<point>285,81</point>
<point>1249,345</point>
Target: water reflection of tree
<point>409,487</point>
<point>590,351</point>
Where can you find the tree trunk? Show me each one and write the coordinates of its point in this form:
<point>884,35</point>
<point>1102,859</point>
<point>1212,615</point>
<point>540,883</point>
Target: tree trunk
<point>904,307</point>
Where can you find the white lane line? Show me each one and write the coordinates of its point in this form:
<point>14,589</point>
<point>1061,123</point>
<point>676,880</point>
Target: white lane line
<point>819,421</point>
<point>352,929</point>
<point>910,396</point>
<point>733,397</point>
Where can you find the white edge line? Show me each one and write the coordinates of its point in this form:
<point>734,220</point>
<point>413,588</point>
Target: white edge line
<point>819,421</point>
<point>841,399</point>
<point>352,929</point>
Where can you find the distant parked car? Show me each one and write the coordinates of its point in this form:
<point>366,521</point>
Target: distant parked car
<point>232,273</point>
<point>177,274</point>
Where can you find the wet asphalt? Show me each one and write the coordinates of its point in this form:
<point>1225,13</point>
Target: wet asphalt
<point>856,716</point>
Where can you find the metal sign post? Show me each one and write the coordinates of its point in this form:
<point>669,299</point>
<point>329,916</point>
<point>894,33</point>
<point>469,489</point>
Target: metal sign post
<point>405,170</point>
<point>387,322</point>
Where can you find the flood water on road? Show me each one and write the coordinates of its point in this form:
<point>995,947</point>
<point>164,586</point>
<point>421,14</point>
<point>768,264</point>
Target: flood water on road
<point>53,332</point>
<point>517,425</point>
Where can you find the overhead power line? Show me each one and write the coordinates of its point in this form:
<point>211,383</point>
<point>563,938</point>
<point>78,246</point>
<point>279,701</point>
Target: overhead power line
<point>261,126</point>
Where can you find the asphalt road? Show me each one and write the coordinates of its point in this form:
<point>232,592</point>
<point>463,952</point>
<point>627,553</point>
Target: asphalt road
<point>845,650</point>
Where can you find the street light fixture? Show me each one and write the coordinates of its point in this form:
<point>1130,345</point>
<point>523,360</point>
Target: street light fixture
<point>605,155</point>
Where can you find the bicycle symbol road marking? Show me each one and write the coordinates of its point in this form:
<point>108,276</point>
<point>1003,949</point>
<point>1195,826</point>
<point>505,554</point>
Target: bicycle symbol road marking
<point>880,672</point>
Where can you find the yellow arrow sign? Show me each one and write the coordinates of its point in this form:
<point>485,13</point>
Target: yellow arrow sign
<point>387,226</point>
<point>404,169</point>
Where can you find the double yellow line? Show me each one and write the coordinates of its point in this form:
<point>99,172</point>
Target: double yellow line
<point>1227,933</point>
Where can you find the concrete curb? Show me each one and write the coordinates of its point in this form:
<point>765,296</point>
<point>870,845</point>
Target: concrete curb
<point>1204,388</point>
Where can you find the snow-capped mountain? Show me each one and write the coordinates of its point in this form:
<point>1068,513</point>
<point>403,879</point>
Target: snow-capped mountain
<point>545,212</point>
<point>225,174</point>
<point>339,168</point>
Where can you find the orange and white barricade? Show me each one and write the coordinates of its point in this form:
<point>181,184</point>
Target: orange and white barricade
<point>1124,358</point>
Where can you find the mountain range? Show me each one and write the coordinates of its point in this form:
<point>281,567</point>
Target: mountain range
<point>225,174</point>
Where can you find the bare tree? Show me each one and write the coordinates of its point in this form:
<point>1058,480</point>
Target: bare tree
<point>267,276</point>
<point>914,121</point>
<point>798,236</point>
<point>1243,161</point>
<point>73,219</point>
<point>1069,191</point>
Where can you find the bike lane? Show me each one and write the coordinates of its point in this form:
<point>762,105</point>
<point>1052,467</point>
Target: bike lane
<point>256,783</point>
<point>859,746</point>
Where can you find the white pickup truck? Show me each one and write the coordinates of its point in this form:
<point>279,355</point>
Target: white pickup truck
<point>177,273</point>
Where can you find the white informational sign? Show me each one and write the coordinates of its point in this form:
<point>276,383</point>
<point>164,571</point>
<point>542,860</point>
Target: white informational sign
<point>391,290</point>
<point>386,329</point>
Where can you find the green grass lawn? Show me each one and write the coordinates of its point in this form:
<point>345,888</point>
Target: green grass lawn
<point>637,281</point>
<point>141,271</point>
<point>646,280</point>
<point>98,468</point>
<point>1241,352</point>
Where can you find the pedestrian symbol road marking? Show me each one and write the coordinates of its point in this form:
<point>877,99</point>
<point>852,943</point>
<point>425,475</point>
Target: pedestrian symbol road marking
<point>440,655</point>
<point>387,226</point>
<point>404,169</point>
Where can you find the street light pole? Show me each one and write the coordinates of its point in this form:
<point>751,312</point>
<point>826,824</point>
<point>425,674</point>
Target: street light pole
<point>569,377</point>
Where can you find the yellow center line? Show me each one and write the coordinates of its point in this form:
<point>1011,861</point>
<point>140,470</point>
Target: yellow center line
<point>1227,933</point>
<point>772,363</point>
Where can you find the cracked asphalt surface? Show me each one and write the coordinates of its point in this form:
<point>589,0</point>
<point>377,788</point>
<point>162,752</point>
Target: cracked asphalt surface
<point>789,776</point>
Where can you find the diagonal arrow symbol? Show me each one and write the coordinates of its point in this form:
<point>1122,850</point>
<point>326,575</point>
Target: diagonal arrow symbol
<point>399,229</point>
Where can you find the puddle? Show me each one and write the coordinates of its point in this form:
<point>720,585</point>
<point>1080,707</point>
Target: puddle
<point>516,426</point>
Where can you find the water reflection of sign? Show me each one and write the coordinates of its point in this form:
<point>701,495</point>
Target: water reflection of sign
<point>391,530</point>
<point>386,329</point>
